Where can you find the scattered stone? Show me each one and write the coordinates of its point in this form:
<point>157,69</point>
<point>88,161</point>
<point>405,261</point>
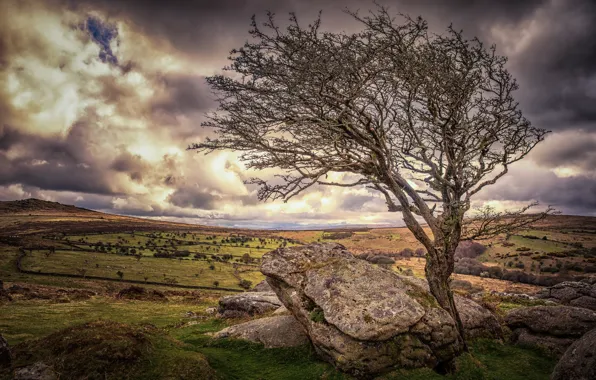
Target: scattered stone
<point>262,286</point>
<point>5,356</point>
<point>37,371</point>
<point>211,310</point>
<point>553,328</point>
<point>249,303</point>
<point>381,259</point>
<point>579,361</point>
<point>361,326</point>
<point>141,294</point>
<point>277,331</point>
<point>59,295</point>
<point>578,294</point>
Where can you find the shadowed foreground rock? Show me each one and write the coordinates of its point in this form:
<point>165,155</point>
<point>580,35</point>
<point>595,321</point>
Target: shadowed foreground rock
<point>37,371</point>
<point>361,318</point>
<point>5,356</point>
<point>578,294</point>
<point>250,303</point>
<point>579,361</point>
<point>553,328</point>
<point>277,331</point>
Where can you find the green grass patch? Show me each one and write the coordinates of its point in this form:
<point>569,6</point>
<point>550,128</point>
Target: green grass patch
<point>168,271</point>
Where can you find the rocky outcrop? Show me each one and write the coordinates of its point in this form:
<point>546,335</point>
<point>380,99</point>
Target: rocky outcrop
<point>553,328</point>
<point>37,371</point>
<point>478,321</point>
<point>139,293</point>
<point>579,361</point>
<point>578,294</point>
<point>5,356</point>
<point>250,303</point>
<point>277,331</point>
<point>262,286</point>
<point>360,317</point>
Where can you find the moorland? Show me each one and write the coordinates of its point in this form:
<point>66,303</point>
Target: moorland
<point>66,272</point>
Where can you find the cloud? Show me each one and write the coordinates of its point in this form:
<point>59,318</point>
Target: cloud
<point>99,99</point>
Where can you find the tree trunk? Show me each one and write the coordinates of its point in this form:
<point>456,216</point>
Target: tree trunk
<point>438,272</point>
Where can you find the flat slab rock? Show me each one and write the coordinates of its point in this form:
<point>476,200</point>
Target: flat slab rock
<point>249,303</point>
<point>362,318</point>
<point>579,294</point>
<point>276,331</point>
<point>553,328</point>
<point>579,361</point>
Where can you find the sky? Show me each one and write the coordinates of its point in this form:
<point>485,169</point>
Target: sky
<point>99,100</point>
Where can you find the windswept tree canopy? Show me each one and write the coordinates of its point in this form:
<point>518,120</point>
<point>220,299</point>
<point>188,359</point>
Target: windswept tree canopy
<point>427,120</point>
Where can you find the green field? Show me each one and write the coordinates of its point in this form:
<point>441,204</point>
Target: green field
<point>168,271</point>
<point>225,257</point>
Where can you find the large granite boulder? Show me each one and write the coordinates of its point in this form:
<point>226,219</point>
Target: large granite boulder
<point>277,331</point>
<point>579,361</point>
<point>578,294</point>
<point>250,303</point>
<point>360,317</point>
<point>553,328</point>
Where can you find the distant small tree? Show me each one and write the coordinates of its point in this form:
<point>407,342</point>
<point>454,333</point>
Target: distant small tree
<point>216,283</point>
<point>120,274</point>
<point>426,120</point>
<point>245,284</point>
<point>82,272</point>
<point>146,278</point>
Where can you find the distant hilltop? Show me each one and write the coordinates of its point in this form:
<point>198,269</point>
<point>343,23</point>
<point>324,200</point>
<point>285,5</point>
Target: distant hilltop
<point>32,205</point>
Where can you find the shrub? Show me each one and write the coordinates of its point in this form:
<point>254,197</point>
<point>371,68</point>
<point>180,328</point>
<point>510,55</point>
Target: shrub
<point>245,284</point>
<point>469,249</point>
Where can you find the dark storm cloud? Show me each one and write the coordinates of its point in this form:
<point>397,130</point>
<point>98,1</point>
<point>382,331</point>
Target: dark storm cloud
<point>184,94</point>
<point>354,202</point>
<point>50,163</point>
<point>570,194</point>
<point>552,53</point>
<point>557,71</point>
<point>200,197</point>
<point>568,149</point>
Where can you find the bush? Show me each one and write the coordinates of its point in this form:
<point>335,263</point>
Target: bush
<point>469,249</point>
<point>245,284</point>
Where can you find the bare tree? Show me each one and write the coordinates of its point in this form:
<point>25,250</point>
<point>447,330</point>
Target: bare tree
<point>426,120</point>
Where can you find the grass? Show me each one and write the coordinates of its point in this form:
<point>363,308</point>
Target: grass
<point>22,320</point>
<point>184,272</point>
<point>107,349</point>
